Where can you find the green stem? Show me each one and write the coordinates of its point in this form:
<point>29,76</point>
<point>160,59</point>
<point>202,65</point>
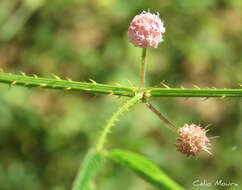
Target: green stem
<point>95,88</point>
<point>68,85</point>
<point>142,72</point>
<point>115,117</point>
<point>189,93</point>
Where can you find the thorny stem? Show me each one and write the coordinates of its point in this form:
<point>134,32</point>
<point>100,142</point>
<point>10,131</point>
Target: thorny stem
<point>115,117</point>
<point>96,88</point>
<point>67,85</point>
<point>161,116</point>
<point>142,72</point>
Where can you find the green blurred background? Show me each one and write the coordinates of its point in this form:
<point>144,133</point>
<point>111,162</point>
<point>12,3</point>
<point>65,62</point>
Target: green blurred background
<point>44,134</point>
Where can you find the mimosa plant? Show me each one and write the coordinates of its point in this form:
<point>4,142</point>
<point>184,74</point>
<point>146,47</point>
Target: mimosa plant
<point>145,31</point>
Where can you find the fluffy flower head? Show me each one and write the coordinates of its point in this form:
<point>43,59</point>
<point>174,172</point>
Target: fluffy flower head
<point>192,139</point>
<point>146,30</point>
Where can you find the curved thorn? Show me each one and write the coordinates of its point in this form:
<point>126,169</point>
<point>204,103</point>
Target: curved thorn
<point>111,93</point>
<point>206,98</point>
<point>87,89</point>
<point>92,81</point>
<point>42,85</point>
<point>222,97</point>
<point>35,76</point>
<point>13,83</point>
<point>195,86</point>
<point>22,73</point>
<point>166,86</point>
<point>67,78</point>
<point>55,76</point>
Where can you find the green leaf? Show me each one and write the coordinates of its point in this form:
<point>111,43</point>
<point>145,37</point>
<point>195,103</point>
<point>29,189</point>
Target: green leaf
<point>88,169</point>
<point>144,168</point>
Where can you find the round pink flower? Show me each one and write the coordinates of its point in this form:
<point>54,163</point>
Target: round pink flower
<point>192,139</point>
<point>146,30</point>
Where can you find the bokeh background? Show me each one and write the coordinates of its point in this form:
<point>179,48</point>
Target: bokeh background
<point>44,134</point>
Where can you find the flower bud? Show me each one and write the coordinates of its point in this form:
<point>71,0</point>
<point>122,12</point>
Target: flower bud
<point>192,139</point>
<point>146,30</point>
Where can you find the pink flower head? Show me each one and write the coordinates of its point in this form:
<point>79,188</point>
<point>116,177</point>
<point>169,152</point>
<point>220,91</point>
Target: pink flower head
<point>192,139</point>
<point>146,30</point>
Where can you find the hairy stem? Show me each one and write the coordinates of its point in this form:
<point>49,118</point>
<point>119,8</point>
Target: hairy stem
<point>115,117</point>
<point>143,65</point>
<point>88,169</point>
<point>161,116</point>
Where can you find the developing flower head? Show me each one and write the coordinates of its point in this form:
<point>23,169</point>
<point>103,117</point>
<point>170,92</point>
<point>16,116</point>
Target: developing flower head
<point>145,30</point>
<point>192,139</point>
